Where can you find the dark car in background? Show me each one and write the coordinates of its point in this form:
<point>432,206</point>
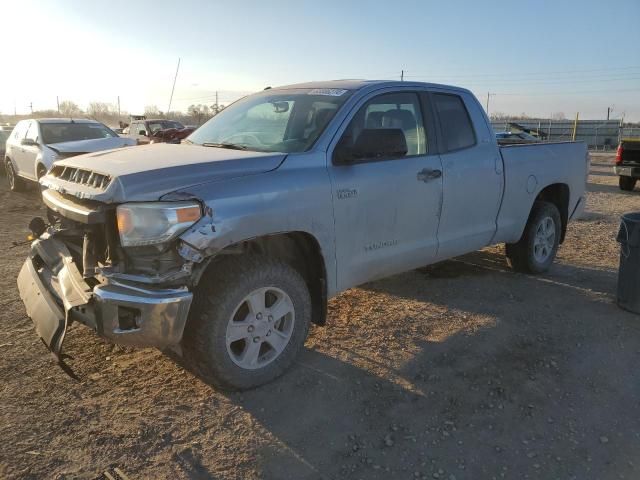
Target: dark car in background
<point>510,138</point>
<point>627,165</point>
<point>157,131</point>
<point>5,131</point>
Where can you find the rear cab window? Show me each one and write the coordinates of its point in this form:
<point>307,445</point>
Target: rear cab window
<point>455,123</point>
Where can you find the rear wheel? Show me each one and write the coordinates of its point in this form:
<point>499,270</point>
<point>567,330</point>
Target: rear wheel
<point>16,184</point>
<point>248,322</point>
<point>536,250</point>
<point>627,183</point>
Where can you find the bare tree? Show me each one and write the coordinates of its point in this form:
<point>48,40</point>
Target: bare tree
<point>69,108</point>
<point>152,111</point>
<point>200,113</point>
<point>101,110</point>
<point>558,116</point>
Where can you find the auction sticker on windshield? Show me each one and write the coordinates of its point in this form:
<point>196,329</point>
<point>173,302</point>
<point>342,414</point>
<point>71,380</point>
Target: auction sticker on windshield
<point>331,92</point>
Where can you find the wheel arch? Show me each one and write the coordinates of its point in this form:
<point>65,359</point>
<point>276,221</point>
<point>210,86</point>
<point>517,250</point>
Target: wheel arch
<point>299,249</point>
<point>559,195</point>
<point>38,165</point>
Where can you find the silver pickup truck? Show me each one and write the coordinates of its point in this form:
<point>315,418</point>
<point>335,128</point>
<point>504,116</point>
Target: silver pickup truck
<point>225,248</point>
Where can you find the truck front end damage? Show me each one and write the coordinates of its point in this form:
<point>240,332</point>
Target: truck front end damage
<point>78,270</point>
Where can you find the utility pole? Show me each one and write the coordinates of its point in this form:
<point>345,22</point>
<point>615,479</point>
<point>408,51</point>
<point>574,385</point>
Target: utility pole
<point>217,102</point>
<point>488,95</point>
<point>608,112</point>
<point>402,75</point>
<point>31,107</point>
<point>575,127</point>
<point>58,104</point>
<point>174,86</point>
<point>118,107</point>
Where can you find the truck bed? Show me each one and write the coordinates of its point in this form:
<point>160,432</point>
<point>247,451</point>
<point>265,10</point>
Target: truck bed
<point>527,169</point>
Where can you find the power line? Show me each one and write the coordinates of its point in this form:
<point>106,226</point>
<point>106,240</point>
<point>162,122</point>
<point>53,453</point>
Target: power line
<point>573,92</point>
<point>551,82</point>
<point>520,73</point>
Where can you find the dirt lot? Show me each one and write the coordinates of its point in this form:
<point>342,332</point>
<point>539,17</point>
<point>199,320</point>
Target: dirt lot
<point>462,370</point>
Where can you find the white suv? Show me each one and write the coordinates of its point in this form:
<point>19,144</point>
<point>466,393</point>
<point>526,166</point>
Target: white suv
<point>34,145</point>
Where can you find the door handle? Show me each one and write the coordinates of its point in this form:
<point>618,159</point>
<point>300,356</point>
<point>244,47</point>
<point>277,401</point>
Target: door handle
<point>427,174</point>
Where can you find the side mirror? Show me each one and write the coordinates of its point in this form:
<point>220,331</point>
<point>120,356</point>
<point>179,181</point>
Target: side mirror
<point>28,142</point>
<point>142,132</point>
<point>372,143</point>
<point>343,153</point>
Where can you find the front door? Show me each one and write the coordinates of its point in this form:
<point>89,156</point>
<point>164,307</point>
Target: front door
<point>386,205</point>
<point>28,153</point>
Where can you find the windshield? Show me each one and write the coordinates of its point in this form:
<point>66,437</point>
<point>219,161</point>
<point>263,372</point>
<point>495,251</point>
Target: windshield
<point>154,126</point>
<point>69,132</point>
<point>285,121</point>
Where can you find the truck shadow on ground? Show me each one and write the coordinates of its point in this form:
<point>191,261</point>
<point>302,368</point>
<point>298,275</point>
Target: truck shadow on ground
<point>505,385</point>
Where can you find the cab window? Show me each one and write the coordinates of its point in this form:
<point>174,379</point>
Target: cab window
<point>389,126</point>
<point>32,132</point>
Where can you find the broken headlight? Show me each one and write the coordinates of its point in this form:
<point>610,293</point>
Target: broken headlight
<point>153,223</point>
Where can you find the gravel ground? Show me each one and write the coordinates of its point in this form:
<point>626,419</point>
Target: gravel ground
<point>462,370</point>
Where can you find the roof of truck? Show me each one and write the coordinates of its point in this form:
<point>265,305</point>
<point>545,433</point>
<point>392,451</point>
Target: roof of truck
<point>357,84</point>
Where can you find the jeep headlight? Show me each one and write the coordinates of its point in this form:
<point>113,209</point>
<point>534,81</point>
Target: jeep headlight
<point>153,223</point>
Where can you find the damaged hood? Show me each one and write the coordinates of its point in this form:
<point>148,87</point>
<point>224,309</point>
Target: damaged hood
<point>86,146</point>
<point>146,173</point>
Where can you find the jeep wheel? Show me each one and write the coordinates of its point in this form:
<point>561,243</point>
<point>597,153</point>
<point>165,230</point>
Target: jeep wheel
<point>627,183</point>
<point>16,184</point>
<point>536,250</point>
<point>248,322</point>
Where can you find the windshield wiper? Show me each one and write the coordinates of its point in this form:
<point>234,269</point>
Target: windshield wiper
<point>231,146</point>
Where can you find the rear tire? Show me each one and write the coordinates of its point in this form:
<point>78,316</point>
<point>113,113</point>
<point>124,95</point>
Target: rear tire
<point>536,250</point>
<point>236,337</point>
<point>627,183</point>
<point>16,184</point>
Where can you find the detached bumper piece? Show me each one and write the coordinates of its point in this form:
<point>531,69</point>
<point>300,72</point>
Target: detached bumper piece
<point>55,294</point>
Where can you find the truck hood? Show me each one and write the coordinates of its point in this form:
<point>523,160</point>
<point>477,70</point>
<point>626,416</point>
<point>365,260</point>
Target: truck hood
<point>86,146</point>
<point>146,173</point>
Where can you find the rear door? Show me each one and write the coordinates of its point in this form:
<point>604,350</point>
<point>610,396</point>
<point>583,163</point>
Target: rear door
<point>386,208</point>
<point>472,174</point>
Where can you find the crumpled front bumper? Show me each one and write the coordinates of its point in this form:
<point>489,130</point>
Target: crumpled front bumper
<point>55,294</point>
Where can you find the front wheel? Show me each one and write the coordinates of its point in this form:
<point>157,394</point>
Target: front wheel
<point>536,250</point>
<point>248,322</point>
<point>627,183</point>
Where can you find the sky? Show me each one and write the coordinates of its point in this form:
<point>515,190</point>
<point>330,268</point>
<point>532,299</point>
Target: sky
<point>537,57</point>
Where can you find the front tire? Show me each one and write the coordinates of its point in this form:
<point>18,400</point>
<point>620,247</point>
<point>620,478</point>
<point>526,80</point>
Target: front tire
<point>536,250</point>
<point>248,322</point>
<point>627,183</point>
<point>16,184</point>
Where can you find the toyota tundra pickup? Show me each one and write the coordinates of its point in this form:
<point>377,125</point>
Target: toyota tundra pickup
<point>226,247</point>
